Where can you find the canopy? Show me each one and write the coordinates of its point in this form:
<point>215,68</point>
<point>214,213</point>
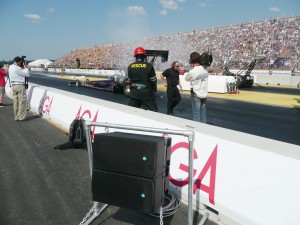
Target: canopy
<point>39,63</point>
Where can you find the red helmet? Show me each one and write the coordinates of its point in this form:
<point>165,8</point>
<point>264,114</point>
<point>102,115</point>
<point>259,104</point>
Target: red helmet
<point>139,51</point>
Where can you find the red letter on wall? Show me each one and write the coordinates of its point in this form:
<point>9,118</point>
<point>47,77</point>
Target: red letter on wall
<point>210,164</point>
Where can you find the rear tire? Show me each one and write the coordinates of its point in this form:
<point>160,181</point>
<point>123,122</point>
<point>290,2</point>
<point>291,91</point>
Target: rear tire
<point>239,81</point>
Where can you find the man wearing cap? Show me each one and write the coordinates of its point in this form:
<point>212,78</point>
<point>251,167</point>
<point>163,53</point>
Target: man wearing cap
<point>17,77</point>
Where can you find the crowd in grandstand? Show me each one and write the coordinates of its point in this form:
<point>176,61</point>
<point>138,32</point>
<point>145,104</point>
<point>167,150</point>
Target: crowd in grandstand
<point>275,40</point>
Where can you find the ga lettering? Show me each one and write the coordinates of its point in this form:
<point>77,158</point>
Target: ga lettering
<point>210,166</point>
<point>89,114</point>
<point>46,105</point>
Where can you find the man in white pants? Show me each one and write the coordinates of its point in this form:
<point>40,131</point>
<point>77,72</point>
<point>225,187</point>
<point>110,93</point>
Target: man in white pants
<point>17,74</point>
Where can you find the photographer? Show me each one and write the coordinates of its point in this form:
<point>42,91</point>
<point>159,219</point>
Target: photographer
<point>198,76</point>
<point>3,73</point>
<point>18,74</point>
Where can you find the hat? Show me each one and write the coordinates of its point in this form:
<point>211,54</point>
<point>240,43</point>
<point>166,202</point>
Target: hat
<point>17,59</point>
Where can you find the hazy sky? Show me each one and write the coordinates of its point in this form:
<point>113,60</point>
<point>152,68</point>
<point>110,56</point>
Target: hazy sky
<point>52,28</point>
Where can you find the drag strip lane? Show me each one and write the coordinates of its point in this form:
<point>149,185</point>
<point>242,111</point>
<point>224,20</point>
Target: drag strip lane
<point>278,123</point>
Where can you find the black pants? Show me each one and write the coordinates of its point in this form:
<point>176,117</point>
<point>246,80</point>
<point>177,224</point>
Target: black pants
<point>145,104</point>
<point>174,98</point>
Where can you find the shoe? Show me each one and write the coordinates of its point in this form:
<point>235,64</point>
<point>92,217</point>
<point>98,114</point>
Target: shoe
<point>1,105</point>
<point>171,113</point>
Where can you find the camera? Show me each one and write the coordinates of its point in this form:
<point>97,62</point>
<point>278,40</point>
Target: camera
<point>206,58</point>
<point>22,61</point>
<point>22,66</point>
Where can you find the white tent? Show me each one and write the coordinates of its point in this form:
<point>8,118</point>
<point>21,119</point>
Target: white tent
<point>39,63</point>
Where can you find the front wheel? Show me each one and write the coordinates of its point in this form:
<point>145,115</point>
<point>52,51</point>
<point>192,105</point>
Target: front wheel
<point>126,89</point>
<point>78,84</point>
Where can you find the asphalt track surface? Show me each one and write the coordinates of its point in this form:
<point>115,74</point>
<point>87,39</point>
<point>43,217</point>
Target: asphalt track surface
<point>271,112</point>
<point>40,185</point>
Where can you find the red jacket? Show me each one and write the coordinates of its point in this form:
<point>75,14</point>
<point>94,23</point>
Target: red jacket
<point>2,74</point>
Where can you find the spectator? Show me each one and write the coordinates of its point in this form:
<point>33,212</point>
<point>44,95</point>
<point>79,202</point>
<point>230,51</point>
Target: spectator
<point>3,73</point>
<point>17,78</point>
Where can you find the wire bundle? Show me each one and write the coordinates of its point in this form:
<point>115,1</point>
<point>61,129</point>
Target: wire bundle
<point>170,206</point>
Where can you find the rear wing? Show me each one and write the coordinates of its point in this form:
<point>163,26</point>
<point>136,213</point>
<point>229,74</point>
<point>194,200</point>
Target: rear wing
<point>164,54</point>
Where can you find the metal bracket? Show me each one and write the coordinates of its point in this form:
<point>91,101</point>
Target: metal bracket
<point>187,133</point>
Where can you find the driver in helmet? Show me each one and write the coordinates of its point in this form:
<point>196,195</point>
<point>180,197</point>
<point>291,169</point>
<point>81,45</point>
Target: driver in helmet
<point>143,82</point>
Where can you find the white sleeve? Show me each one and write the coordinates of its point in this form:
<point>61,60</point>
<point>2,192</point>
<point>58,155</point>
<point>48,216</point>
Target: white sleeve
<point>188,77</point>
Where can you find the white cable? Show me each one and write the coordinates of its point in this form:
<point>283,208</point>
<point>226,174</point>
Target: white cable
<point>169,209</point>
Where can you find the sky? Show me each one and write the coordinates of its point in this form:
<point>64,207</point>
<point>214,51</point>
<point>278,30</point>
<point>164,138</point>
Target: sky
<point>50,29</point>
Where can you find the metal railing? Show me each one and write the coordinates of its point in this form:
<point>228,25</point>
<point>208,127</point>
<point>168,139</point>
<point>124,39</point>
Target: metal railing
<point>187,133</point>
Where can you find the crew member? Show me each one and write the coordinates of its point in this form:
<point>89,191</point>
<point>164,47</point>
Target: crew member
<point>173,94</point>
<point>198,76</point>
<point>143,82</point>
<point>17,77</point>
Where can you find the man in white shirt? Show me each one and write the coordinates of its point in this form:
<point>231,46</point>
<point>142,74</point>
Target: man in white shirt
<point>198,76</point>
<point>17,74</point>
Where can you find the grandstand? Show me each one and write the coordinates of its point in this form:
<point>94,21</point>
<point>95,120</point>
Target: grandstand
<point>277,40</point>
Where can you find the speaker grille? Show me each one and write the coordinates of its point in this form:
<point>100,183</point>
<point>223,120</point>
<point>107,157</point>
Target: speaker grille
<point>132,154</point>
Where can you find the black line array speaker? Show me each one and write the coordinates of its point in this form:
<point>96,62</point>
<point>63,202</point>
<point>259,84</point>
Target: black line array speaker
<point>130,170</point>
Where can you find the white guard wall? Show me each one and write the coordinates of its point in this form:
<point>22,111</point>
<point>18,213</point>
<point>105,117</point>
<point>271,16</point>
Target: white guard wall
<point>217,84</point>
<point>249,179</point>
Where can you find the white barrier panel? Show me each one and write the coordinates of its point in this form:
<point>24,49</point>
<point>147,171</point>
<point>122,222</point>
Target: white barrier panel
<point>274,77</point>
<point>37,69</point>
<point>277,80</point>
<point>95,72</point>
<point>249,179</point>
<point>217,84</point>
<point>265,72</point>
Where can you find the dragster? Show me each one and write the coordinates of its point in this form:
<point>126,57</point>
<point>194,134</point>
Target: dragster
<point>242,80</point>
<point>118,80</point>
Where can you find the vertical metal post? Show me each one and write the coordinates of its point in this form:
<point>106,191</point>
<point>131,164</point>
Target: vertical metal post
<point>87,129</point>
<point>191,172</point>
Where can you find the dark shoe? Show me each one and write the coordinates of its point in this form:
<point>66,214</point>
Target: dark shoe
<point>1,105</point>
<point>171,113</point>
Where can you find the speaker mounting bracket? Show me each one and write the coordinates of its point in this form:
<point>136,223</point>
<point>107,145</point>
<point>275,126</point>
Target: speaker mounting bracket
<point>187,133</point>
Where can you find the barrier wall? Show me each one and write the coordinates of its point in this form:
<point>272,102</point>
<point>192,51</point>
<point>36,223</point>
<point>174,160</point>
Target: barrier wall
<point>216,84</point>
<point>246,178</point>
<point>274,77</point>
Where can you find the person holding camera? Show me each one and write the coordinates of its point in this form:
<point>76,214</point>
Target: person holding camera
<point>173,94</point>
<point>198,76</point>
<point>3,73</point>
<point>18,73</point>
